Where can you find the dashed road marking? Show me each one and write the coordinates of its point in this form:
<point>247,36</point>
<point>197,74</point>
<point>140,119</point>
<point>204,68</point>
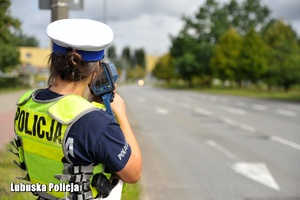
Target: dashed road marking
<point>286,142</point>
<point>286,113</point>
<point>237,111</point>
<point>240,125</point>
<point>228,121</point>
<point>259,107</point>
<point>162,111</point>
<point>226,152</point>
<point>203,111</point>
<point>248,128</point>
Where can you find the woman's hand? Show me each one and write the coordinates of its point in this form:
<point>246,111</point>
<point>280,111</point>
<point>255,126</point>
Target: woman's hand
<point>118,106</point>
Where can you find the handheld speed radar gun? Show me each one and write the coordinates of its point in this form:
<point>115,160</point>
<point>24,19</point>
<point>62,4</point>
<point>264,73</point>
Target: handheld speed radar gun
<point>104,85</point>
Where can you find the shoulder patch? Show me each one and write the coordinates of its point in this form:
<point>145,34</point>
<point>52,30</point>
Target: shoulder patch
<point>25,97</point>
<point>70,108</point>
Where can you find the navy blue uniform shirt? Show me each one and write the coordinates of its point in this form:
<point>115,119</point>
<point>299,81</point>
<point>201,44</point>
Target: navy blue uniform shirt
<point>97,138</point>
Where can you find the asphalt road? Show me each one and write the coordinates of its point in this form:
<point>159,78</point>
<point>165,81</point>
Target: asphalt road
<point>215,147</point>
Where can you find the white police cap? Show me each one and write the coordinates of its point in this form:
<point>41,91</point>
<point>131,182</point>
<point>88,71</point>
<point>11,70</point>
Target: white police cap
<point>88,37</point>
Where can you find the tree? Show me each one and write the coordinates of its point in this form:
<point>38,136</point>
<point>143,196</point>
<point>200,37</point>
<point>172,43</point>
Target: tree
<point>226,54</point>
<point>164,68</point>
<point>136,73</point>
<point>202,31</point>
<point>184,47</point>
<point>250,14</point>
<point>111,53</point>
<point>284,55</point>
<point>140,58</point>
<point>26,41</point>
<point>186,65</point>
<point>112,57</point>
<point>252,59</point>
<point>126,57</point>
<point>9,56</point>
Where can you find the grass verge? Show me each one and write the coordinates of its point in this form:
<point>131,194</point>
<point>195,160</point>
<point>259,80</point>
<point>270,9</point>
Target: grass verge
<point>9,172</point>
<point>292,95</point>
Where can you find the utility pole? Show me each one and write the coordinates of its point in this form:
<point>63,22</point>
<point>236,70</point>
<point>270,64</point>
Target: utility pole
<point>59,9</point>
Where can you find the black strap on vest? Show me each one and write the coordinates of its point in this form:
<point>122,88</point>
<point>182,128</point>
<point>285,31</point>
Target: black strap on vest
<point>79,175</point>
<point>17,143</point>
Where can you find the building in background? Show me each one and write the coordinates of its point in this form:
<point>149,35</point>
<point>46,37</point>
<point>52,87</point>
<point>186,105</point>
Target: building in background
<point>151,62</point>
<point>34,69</point>
<point>34,66</point>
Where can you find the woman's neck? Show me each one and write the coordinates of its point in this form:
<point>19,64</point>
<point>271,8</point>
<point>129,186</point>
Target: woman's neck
<point>66,87</point>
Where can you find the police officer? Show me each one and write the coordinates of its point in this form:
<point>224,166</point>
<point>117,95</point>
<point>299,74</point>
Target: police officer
<point>65,139</point>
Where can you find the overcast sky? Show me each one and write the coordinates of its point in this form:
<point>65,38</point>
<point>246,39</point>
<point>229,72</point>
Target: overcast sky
<point>138,23</point>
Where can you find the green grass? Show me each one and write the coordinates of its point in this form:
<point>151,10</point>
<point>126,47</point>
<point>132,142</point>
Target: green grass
<point>9,172</point>
<point>132,192</point>
<point>292,95</point>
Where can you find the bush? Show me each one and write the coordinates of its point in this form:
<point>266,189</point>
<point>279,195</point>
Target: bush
<point>9,82</point>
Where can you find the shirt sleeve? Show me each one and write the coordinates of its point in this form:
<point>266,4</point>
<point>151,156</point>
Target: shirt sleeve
<point>98,139</point>
<point>117,149</point>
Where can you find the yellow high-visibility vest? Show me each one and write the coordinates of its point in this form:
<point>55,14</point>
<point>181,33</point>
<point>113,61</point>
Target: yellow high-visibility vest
<point>42,127</point>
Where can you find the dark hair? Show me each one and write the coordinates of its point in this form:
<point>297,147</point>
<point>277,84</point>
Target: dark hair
<point>70,67</point>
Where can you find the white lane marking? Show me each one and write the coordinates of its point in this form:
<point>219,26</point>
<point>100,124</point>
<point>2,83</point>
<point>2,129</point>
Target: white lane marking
<point>257,172</point>
<point>287,113</point>
<point>203,112</point>
<point>242,126</point>
<point>162,111</point>
<point>234,110</point>
<point>259,107</point>
<point>228,121</point>
<point>286,142</point>
<point>221,149</point>
<point>248,128</point>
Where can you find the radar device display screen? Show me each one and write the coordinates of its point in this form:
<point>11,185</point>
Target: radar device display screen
<point>105,83</point>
